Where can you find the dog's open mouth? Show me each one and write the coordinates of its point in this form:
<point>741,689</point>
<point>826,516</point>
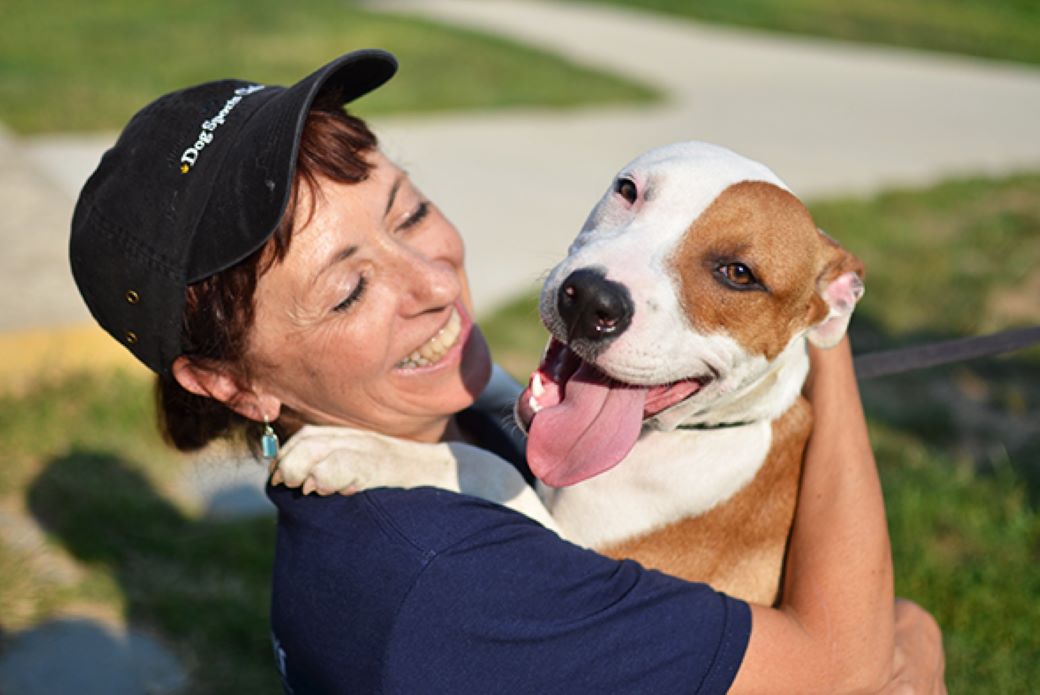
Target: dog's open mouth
<point>581,422</point>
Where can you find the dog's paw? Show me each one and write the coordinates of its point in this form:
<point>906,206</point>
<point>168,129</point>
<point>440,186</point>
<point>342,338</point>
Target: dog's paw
<point>342,472</point>
<point>327,461</point>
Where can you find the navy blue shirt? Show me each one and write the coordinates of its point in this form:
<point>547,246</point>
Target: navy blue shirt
<point>429,591</point>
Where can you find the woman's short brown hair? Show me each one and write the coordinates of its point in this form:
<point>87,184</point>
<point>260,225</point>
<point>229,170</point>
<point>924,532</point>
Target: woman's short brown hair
<point>219,310</point>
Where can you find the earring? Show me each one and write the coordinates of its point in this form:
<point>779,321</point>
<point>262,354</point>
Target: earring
<point>268,441</point>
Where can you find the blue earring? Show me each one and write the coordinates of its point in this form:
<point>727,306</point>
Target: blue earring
<point>268,441</point>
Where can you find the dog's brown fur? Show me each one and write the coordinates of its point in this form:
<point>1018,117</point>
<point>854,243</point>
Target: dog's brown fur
<point>737,547</point>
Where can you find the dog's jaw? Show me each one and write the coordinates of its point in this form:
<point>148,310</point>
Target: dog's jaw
<point>755,391</point>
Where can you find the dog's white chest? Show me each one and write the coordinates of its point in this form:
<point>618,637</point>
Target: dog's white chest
<point>667,477</point>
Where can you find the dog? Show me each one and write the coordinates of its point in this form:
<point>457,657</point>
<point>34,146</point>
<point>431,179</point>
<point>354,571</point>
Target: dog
<point>679,322</point>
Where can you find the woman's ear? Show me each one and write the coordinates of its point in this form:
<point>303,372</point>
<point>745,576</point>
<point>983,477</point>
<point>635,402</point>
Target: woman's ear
<point>210,381</point>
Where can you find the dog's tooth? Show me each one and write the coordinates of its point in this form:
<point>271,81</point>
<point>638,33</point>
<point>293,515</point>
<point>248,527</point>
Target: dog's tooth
<point>537,388</point>
<point>545,350</point>
<point>534,404</point>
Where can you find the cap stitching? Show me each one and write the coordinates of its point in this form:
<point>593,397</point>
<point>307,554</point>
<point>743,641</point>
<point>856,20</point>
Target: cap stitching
<point>144,252</point>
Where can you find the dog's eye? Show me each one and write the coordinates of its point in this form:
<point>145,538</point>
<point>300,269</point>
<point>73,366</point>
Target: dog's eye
<point>738,275</point>
<point>626,188</point>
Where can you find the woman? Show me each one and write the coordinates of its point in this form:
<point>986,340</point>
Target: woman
<point>253,247</point>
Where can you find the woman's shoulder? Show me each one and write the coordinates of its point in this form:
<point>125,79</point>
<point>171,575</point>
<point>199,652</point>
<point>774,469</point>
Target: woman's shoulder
<point>426,519</point>
<point>344,569</point>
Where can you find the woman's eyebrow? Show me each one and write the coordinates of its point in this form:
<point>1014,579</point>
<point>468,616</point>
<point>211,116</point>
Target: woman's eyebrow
<point>393,193</point>
<point>338,257</point>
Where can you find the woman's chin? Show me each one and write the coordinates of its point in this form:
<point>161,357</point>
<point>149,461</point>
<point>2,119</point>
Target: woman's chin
<point>454,383</point>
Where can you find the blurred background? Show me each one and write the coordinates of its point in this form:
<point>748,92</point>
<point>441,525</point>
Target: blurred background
<point>910,128</point>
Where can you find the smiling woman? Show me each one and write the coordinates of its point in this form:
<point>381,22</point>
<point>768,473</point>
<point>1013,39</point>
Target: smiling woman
<point>289,277</point>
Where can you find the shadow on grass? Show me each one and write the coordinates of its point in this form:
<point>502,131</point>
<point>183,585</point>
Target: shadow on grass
<point>958,448</point>
<point>203,585</point>
<point>985,412</point>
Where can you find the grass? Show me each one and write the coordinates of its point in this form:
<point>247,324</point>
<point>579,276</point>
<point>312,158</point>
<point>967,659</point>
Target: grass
<point>965,252</point>
<point>959,446</point>
<point>1001,29</point>
<point>84,460</point>
<point>966,543</point>
<point>67,65</point>
<point>959,449</point>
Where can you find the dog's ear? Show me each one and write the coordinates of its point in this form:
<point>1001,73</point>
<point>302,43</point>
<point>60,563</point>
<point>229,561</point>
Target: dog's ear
<point>838,287</point>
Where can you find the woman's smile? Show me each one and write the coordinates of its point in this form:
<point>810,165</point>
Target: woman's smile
<point>434,350</point>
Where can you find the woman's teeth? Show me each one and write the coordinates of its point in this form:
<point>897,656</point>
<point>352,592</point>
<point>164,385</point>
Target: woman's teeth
<point>437,346</point>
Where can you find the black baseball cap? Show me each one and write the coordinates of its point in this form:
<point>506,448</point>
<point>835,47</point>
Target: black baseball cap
<point>197,181</point>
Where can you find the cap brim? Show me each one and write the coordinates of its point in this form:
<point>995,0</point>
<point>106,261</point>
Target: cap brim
<point>258,168</point>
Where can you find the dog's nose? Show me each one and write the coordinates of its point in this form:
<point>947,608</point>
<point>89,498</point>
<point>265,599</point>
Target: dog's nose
<point>592,307</point>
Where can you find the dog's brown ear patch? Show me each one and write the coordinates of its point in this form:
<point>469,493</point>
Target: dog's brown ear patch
<point>767,229</point>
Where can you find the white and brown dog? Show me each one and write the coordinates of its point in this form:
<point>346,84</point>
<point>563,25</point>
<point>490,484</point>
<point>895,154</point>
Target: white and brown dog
<point>679,320</point>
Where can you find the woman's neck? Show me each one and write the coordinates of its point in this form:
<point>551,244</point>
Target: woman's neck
<point>453,432</point>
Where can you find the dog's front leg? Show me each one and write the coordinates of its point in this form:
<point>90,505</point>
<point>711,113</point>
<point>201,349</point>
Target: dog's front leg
<point>330,460</point>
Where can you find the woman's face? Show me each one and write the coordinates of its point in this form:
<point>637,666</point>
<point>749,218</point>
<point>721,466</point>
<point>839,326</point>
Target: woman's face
<point>367,320</point>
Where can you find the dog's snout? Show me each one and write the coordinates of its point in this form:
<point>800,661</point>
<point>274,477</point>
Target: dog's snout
<point>592,307</point>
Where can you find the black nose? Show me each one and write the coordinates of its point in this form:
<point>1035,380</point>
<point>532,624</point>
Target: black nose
<point>592,307</point>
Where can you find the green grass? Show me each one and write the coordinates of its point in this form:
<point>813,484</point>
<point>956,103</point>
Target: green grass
<point>966,544</point>
<point>1002,29</point>
<point>959,450</point>
<point>67,65</point>
<point>83,457</point>
<point>959,447</point>
<point>961,257</point>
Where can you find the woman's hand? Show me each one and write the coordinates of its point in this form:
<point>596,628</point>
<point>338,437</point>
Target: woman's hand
<point>918,662</point>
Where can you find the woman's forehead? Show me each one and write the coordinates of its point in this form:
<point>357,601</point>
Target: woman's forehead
<point>373,191</point>
<point>332,216</point>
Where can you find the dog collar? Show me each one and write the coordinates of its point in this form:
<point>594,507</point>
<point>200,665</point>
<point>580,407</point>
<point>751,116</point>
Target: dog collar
<point>719,426</point>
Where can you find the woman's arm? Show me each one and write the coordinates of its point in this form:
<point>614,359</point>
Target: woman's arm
<point>835,628</point>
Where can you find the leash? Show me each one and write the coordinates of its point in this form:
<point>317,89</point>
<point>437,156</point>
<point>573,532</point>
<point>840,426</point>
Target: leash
<point>887,362</point>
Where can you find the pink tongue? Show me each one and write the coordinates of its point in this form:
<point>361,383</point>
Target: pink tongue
<point>588,432</point>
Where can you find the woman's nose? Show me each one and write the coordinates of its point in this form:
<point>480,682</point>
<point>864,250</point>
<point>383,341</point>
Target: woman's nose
<point>428,284</point>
